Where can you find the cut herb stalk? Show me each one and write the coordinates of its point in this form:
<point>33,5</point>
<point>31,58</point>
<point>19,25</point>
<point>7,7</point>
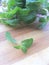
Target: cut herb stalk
<point>25,44</point>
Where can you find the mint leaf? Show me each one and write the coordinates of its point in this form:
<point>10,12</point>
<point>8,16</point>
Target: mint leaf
<point>10,14</point>
<point>34,5</point>
<point>43,12</point>
<point>42,22</point>
<point>9,38</point>
<point>30,18</point>
<point>27,43</point>
<point>43,19</point>
<point>13,22</point>
<point>13,3</point>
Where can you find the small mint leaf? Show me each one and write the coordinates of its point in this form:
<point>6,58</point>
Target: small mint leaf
<point>9,37</point>
<point>27,43</point>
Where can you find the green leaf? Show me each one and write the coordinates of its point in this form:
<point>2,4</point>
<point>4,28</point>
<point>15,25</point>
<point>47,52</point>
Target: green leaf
<point>27,43</point>
<point>30,18</point>
<point>43,12</point>
<point>43,19</point>
<point>24,49</point>
<point>17,47</point>
<point>9,38</point>
<point>13,22</point>
<point>13,3</point>
<point>34,5</point>
<point>21,3</point>
<point>10,14</point>
<point>43,3</point>
<point>24,12</point>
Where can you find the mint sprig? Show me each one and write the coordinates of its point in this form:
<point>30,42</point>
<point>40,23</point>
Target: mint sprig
<point>24,44</point>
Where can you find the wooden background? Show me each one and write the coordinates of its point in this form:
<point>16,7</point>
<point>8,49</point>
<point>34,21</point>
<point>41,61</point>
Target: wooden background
<point>10,55</point>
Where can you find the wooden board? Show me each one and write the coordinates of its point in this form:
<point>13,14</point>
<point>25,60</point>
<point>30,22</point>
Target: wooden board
<point>10,55</point>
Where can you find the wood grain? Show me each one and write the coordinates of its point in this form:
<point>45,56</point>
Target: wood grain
<point>9,55</point>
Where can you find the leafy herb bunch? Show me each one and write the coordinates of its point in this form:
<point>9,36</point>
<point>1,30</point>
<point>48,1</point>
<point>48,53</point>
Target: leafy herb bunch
<point>25,12</point>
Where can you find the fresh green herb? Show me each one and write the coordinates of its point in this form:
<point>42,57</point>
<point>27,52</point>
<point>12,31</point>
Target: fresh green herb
<point>43,12</point>
<point>43,19</point>
<point>24,11</point>
<point>25,44</point>
<point>12,23</point>
<point>35,6</point>
<point>13,3</point>
<point>10,14</point>
<point>9,38</point>
<point>43,22</point>
<point>30,18</point>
